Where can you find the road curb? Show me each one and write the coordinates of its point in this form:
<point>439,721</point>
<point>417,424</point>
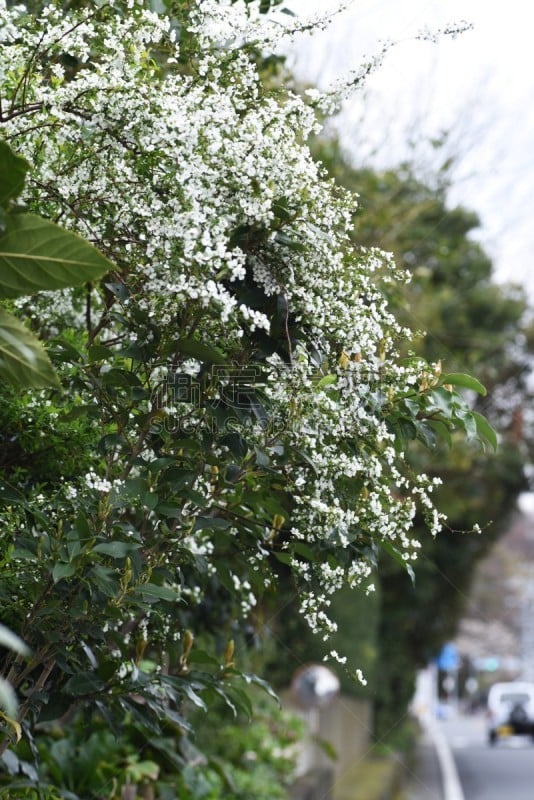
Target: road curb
<point>452,788</point>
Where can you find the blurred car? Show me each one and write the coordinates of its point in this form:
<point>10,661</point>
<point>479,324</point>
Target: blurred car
<point>510,710</point>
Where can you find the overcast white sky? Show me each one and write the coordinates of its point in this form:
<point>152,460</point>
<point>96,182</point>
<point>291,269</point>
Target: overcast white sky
<point>479,84</point>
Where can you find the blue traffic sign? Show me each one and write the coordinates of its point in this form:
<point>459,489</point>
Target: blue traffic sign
<point>449,658</point>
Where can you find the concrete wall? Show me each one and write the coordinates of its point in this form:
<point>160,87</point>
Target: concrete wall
<point>344,727</point>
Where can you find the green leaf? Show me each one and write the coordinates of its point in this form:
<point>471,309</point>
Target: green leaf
<point>23,359</point>
<point>203,352</point>
<point>105,580</point>
<point>168,510</point>
<point>427,435</point>
<point>281,210</point>
<point>405,429</point>
<point>201,657</point>
<point>84,683</point>
<point>8,495</point>
<point>120,377</point>
<point>116,549</point>
<point>464,380</point>
<point>485,430</point>
<point>283,557</point>
<point>328,380</point>
<point>13,642</point>
<point>13,171</point>
<point>62,570</point>
<point>444,401</point>
<point>191,695</point>
<point>35,254</point>
<point>23,554</point>
<point>290,241</point>
<point>138,771</point>
<point>240,699</point>
<point>464,419</point>
<point>62,350</point>
<point>263,684</point>
<point>305,551</point>
<point>441,430</point>
<point>212,523</point>
<point>396,555</point>
<point>98,352</point>
<point>327,748</point>
<point>305,458</point>
<point>159,592</point>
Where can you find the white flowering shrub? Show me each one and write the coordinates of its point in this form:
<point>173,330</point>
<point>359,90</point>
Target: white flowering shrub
<point>244,405</point>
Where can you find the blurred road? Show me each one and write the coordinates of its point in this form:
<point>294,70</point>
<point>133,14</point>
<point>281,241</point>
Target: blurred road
<point>502,772</point>
<point>490,773</point>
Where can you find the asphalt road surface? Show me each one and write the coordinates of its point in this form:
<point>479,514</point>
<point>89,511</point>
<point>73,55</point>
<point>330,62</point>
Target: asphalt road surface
<point>502,772</point>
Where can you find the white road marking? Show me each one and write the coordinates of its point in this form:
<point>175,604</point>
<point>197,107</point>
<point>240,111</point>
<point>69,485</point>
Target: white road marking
<point>452,788</point>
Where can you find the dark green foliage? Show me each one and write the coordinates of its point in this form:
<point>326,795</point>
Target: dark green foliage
<point>60,452</point>
<point>243,758</point>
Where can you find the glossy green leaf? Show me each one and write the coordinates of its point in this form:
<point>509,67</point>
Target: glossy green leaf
<point>98,352</point>
<point>444,401</point>
<point>203,352</point>
<point>168,510</point>
<point>304,550</point>
<point>441,430</point>
<point>281,210</point>
<point>240,700</point>
<point>405,431</point>
<point>465,420</point>
<point>485,430</point>
<point>105,580</point>
<point>62,570</point>
<point>193,697</point>
<point>426,434</point>
<point>263,684</point>
<point>37,255</point>
<point>201,657</point>
<point>212,523</point>
<point>463,380</point>
<point>116,549</point>
<point>23,359</point>
<point>13,171</point>
<point>283,557</point>
<point>84,683</point>
<point>159,592</point>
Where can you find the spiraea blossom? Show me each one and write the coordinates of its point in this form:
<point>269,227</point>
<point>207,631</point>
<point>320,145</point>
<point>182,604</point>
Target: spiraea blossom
<point>240,368</point>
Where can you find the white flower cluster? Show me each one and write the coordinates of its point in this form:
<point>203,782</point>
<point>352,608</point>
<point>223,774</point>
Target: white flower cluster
<point>193,180</point>
<point>92,481</point>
